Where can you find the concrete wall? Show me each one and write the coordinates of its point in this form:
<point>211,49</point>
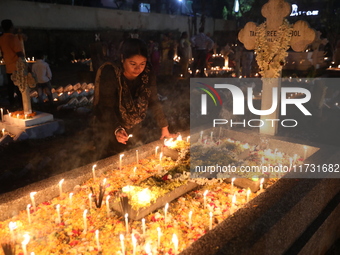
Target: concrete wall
<point>53,16</point>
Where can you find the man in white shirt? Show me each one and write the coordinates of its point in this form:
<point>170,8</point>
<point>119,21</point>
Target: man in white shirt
<point>203,44</point>
<point>43,74</point>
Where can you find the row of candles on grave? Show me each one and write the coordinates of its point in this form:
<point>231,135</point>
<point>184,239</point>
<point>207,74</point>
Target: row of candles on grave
<point>13,225</point>
<point>267,152</point>
<point>142,196</point>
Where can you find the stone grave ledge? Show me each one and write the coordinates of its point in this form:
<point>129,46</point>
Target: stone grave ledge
<point>13,202</point>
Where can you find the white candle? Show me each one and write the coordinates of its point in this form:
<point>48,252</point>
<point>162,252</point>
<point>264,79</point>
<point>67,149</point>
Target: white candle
<point>70,197</point>
<point>120,161</point>
<point>190,219</point>
<point>12,226</point>
<point>28,209</point>
<point>205,198</point>
<point>305,152</point>
<point>159,233</point>
<point>137,159</point>
<point>25,242</point>
<point>108,206</point>
<point>232,182</point>
<point>211,135</point>
<point>160,157</point>
<point>134,244</point>
<point>25,116</point>
<point>122,244</point>
<point>134,170</point>
<point>188,139</point>
<point>58,213</point>
<point>32,194</point>
<point>143,226</point>
<point>97,240</point>
<point>201,135</point>
<point>166,212</point>
<point>61,187</point>
<point>248,194</point>
<point>85,220</point>
<point>94,172</point>
<point>175,242</point>
<point>210,220</point>
<point>90,200</point>
<point>156,150</point>
<point>2,115</point>
<point>261,184</point>
<point>127,223</point>
<point>18,116</point>
<point>3,132</point>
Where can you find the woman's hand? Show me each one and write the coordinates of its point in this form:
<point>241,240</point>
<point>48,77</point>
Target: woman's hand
<point>121,136</point>
<point>166,133</point>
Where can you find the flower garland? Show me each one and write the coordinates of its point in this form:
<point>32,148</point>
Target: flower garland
<point>271,56</point>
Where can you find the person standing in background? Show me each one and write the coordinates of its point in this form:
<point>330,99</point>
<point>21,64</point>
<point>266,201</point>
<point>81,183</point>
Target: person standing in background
<point>184,52</point>
<point>203,44</point>
<point>43,74</point>
<point>11,49</point>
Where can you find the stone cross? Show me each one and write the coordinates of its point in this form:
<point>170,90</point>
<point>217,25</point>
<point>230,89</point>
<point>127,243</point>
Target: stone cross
<point>24,80</point>
<point>301,36</point>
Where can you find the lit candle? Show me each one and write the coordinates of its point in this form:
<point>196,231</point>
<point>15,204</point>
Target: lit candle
<point>137,159</point>
<point>12,226</point>
<point>190,219</point>
<point>205,198</point>
<point>210,220</point>
<point>211,135</point>
<point>25,116</point>
<point>3,132</point>
<point>70,198</point>
<point>134,244</point>
<point>143,226</point>
<point>122,244</point>
<point>159,233</point>
<point>28,209</point>
<point>85,220</point>
<point>175,242</point>
<point>188,139</point>
<point>127,223</point>
<point>107,206</point>
<point>97,240</point>
<point>18,116</point>
<point>61,187</point>
<point>261,184</point>
<point>2,115</point>
<point>201,135</point>
<point>32,194</point>
<point>134,170</point>
<point>160,157</point>
<point>290,163</point>
<point>90,200</point>
<point>94,172</point>
<point>130,135</point>
<point>305,152</point>
<point>248,194</point>
<point>166,212</point>
<point>25,242</point>
<point>120,161</point>
<point>232,182</point>
<point>58,213</point>
<point>156,150</point>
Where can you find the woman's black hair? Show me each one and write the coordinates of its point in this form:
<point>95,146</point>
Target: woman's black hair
<point>132,47</point>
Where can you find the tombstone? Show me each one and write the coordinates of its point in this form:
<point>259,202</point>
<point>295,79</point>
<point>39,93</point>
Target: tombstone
<point>271,40</point>
<point>24,80</point>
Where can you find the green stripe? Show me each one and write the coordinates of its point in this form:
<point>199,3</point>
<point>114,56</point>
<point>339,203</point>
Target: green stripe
<point>209,93</point>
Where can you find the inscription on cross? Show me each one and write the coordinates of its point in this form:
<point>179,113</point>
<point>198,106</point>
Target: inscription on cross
<point>270,41</point>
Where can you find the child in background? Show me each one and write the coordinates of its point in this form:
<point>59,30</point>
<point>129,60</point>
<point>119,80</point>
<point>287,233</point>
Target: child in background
<point>43,74</point>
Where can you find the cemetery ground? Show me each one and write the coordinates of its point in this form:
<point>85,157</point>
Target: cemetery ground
<point>28,161</point>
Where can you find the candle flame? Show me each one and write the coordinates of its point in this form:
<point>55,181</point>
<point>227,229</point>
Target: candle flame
<point>12,225</point>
